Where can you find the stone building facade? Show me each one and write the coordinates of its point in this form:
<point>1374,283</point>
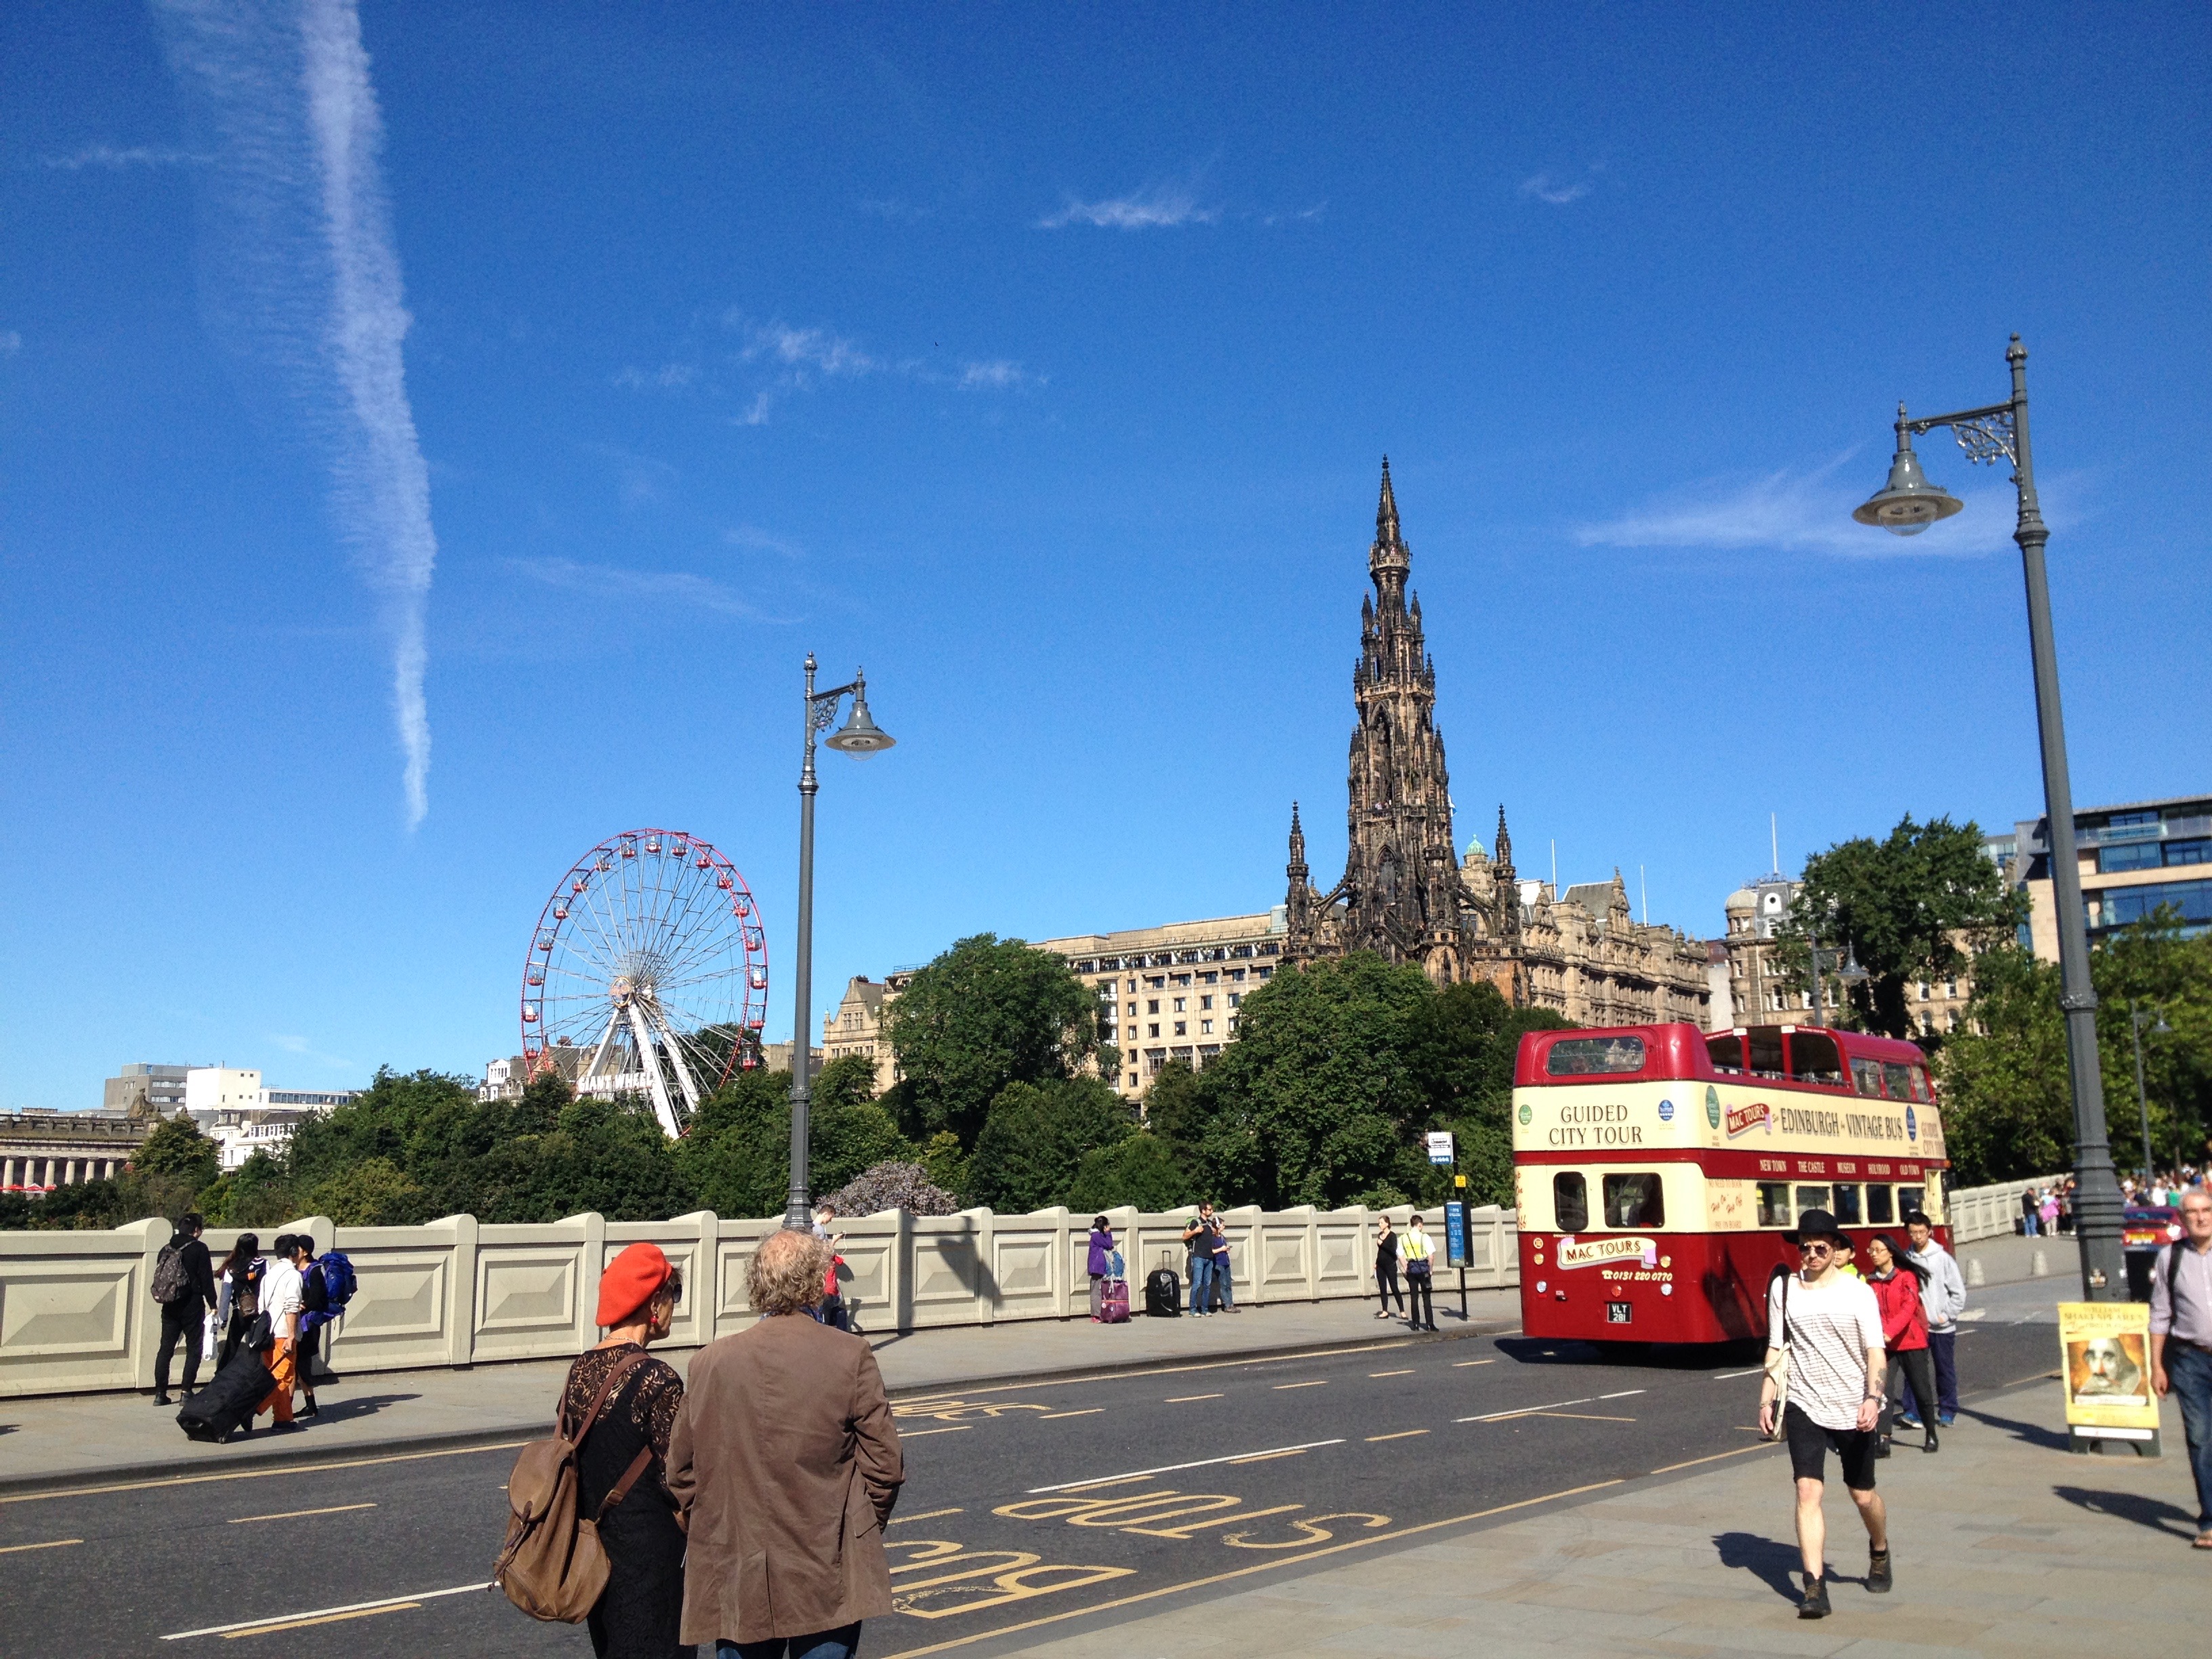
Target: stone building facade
<point>1406,895</point>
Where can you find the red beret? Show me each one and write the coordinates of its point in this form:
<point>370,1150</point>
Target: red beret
<point>630,1282</point>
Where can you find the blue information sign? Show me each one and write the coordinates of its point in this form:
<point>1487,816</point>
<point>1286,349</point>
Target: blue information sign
<point>1455,1234</point>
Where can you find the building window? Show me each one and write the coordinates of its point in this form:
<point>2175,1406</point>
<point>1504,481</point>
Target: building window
<point>2134,855</point>
<point>1178,1005</point>
<point>1206,1002</point>
<point>1205,1028</point>
<point>1232,1024</point>
<point>1153,1006</point>
<point>1153,1029</point>
<point>2189,852</point>
<point>1181,1028</point>
<point>1236,999</point>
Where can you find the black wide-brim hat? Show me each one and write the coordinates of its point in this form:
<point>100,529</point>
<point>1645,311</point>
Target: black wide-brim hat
<point>1816,1223</point>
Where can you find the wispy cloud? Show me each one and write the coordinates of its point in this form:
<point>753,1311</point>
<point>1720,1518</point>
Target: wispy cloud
<point>1558,190</point>
<point>115,159</point>
<point>760,541</point>
<point>304,1049</point>
<point>1303,215</point>
<point>669,377</point>
<point>1154,207</point>
<point>306,275</point>
<point>997,375</point>
<point>1800,511</point>
<point>804,348</point>
<point>639,477</point>
<point>669,587</point>
<point>756,412</point>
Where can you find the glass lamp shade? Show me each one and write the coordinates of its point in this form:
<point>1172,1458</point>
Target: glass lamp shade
<point>1908,503</point>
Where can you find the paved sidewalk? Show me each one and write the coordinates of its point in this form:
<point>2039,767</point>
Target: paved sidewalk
<point>2005,1544</point>
<point>63,1440</point>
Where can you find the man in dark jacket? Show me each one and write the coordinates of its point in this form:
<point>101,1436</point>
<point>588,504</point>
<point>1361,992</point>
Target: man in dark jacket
<point>183,1316</point>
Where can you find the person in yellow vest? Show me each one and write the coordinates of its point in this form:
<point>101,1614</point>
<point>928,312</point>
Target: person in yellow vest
<point>1419,1251</point>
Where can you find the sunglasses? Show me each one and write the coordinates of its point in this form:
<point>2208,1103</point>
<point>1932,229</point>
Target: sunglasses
<point>1817,1248</point>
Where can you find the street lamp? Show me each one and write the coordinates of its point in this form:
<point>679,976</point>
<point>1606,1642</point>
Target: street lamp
<point>858,737</point>
<point>1906,504</point>
<point>2142,1100</point>
<point>1845,964</point>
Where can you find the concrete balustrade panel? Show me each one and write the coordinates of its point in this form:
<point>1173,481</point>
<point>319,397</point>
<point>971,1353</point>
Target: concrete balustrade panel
<point>76,1314</point>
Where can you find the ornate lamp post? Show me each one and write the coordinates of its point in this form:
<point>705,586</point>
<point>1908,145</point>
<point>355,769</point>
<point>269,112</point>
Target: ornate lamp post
<point>860,737</point>
<point>1906,506</point>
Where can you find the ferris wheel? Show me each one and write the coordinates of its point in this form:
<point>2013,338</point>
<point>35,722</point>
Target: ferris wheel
<point>648,974</point>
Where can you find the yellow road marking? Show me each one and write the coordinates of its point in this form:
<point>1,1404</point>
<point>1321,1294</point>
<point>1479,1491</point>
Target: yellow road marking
<point>259,1475</point>
<point>327,1619</point>
<point>51,1544</point>
<point>1692,1462</point>
<point>1409,1371</point>
<point>916,1434</point>
<point>1054,1417</point>
<point>1185,1399</point>
<point>1245,1572</point>
<point>1318,1382</point>
<point>293,1515</point>
<point>1402,1434</point>
<point>926,1514</point>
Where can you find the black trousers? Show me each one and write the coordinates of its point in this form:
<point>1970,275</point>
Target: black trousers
<point>180,1319</point>
<point>1918,1367</point>
<point>1421,1286</point>
<point>1386,1285</point>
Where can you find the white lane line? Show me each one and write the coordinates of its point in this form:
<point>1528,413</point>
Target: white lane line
<point>51,1544</point>
<point>1170,1468</point>
<point>294,1514</point>
<point>1729,1376</point>
<point>1318,1382</point>
<point>1054,1417</point>
<point>1461,1364</point>
<point>1185,1399</point>
<point>1624,1394</point>
<point>1522,1410</point>
<point>1409,1371</point>
<point>323,1612</point>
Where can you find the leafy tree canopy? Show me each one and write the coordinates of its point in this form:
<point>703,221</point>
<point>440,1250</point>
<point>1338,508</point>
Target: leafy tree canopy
<point>178,1148</point>
<point>1905,907</point>
<point>1035,1137</point>
<point>986,1013</point>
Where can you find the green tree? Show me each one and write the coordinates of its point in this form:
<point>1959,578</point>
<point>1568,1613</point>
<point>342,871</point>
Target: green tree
<point>986,1013</point>
<point>1917,905</point>
<point>847,1131</point>
<point>177,1148</point>
<point>2008,1102</point>
<point>1140,1171</point>
<point>1035,1137</point>
<point>737,1153</point>
<point>1460,1048</point>
<point>375,1193</point>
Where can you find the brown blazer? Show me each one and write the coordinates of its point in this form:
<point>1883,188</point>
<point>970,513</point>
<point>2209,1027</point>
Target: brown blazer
<point>785,1459</point>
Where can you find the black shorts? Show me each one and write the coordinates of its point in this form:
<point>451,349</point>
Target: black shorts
<point>1809,1443</point>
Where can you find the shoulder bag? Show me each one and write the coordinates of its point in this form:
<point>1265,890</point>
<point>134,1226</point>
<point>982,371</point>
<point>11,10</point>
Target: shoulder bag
<point>553,1566</point>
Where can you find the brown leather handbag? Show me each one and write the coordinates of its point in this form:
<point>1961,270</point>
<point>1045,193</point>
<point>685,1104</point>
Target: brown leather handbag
<point>553,1566</point>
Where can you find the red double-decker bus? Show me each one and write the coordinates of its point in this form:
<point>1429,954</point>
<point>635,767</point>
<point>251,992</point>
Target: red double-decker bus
<point>1656,1167</point>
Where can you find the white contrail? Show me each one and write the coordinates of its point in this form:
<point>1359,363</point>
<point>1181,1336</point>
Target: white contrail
<point>303,271</point>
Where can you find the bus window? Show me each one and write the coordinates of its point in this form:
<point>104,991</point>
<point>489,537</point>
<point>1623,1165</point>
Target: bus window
<point>1847,1203</point>
<point>1586,1057</point>
<point>1570,1202</point>
<point>1878,1209</point>
<point>1899,1079</point>
<point>1813,1059</point>
<point>1774,1205</point>
<point>1929,1198</point>
<point>1920,1089</point>
<point>1726,1053</point>
<point>1811,1198</point>
<point>1866,1077</point>
<point>1633,1201</point>
<point>1765,1051</point>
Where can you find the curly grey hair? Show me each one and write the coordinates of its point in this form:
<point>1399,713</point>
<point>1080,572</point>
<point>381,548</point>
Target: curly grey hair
<point>786,1273</point>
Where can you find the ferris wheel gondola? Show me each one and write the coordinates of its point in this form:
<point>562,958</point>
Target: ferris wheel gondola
<point>648,974</point>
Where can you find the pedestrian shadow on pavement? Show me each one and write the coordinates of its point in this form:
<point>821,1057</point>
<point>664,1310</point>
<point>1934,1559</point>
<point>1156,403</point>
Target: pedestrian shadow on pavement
<point>1777,1563</point>
<point>2151,1512</point>
<point>340,1411</point>
<point>2034,1433</point>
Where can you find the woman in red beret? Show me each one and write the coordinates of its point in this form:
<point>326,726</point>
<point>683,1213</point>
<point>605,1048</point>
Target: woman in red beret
<point>638,1613</point>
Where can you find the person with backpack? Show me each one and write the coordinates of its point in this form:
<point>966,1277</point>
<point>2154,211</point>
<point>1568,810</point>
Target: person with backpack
<point>625,1449</point>
<point>1827,1364</point>
<point>2181,1341</point>
<point>183,1284</point>
<point>238,1293</point>
<point>1100,1264</point>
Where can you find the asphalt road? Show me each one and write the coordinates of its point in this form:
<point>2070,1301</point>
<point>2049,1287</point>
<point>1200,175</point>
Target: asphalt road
<point>1057,1501</point>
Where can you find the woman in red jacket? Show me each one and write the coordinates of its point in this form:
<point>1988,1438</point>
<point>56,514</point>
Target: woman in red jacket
<point>1896,1279</point>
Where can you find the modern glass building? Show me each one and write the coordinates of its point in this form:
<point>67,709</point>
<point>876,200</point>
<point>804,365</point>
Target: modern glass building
<point>2135,860</point>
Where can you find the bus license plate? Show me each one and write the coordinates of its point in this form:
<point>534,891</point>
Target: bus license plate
<point>1616,1313</point>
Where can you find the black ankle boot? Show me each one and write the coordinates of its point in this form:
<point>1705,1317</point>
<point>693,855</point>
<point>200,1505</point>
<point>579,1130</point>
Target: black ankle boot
<point>1878,1577</point>
<point>1815,1604</point>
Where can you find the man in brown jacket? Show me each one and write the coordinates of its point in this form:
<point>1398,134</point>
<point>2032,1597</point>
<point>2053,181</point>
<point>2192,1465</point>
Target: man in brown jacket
<point>787,1463</point>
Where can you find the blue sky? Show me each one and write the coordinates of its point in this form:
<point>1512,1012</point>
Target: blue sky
<point>1040,360</point>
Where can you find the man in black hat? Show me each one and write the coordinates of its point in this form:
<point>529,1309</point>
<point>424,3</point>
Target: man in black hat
<point>1830,1326</point>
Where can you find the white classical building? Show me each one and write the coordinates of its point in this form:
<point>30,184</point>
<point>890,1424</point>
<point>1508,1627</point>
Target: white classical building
<point>242,1117</point>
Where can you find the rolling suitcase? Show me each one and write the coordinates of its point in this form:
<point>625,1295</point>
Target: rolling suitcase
<point>227,1404</point>
<point>1162,1291</point>
<point>1114,1306</point>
